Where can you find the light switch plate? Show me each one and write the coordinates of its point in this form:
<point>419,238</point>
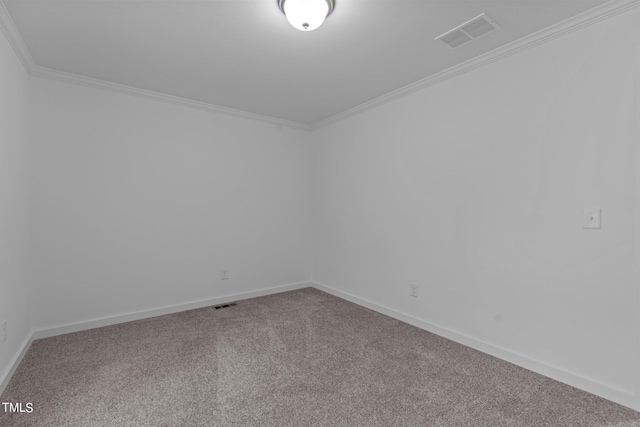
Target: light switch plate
<point>592,218</point>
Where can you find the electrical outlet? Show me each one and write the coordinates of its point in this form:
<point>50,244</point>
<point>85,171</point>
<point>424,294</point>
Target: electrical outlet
<point>592,218</point>
<point>4,330</point>
<point>224,274</point>
<point>413,289</point>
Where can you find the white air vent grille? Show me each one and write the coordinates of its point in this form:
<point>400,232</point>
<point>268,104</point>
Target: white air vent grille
<point>455,38</point>
<point>470,30</point>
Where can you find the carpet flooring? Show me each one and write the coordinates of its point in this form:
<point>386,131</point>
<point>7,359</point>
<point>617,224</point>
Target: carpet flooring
<point>299,358</point>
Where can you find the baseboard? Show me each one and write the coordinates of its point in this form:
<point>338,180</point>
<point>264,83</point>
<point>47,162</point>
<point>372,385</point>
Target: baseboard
<point>581,382</point>
<point>144,314</point>
<point>13,365</point>
<point>128,317</point>
<point>589,385</point>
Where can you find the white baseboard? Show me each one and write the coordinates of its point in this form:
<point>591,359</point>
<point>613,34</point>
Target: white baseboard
<point>622,397</point>
<point>144,314</point>
<point>128,317</point>
<point>13,365</point>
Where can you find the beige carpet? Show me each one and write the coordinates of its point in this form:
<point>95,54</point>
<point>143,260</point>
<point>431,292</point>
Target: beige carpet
<point>300,358</point>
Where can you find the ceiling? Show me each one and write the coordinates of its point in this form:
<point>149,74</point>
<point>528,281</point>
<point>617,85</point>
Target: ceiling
<point>243,54</point>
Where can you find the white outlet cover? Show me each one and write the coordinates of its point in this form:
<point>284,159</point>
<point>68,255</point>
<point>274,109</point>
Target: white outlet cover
<point>413,289</point>
<point>592,218</point>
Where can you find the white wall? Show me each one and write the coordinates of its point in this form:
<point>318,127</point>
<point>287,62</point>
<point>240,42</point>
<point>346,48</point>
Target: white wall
<point>15,292</point>
<point>138,204</point>
<point>474,189</point>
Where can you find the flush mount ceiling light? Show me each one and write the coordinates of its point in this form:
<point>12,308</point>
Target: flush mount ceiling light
<point>306,15</point>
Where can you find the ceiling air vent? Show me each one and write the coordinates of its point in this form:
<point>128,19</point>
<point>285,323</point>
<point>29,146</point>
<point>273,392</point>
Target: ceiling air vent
<point>470,30</point>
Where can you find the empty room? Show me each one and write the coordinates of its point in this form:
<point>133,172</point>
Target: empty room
<point>320,213</point>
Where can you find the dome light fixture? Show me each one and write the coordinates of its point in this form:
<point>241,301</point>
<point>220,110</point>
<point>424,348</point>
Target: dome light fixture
<point>306,15</point>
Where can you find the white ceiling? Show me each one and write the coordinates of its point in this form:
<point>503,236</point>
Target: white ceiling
<point>243,54</point>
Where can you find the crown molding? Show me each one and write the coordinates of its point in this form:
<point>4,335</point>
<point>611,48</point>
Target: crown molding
<point>17,43</point>
<point>567,26</point>
<point>14,38</point>
<point>63,76</point>
<point>552,32</point>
